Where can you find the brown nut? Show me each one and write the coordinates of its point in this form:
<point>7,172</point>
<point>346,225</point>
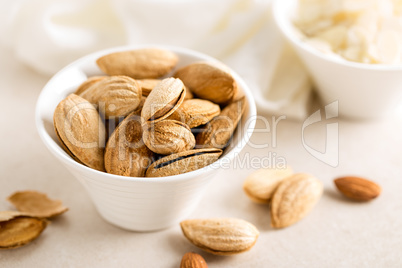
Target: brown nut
<point>18,229</point>
<point>221,236</point>
<point>193,260</point>
<point>147,85</point>
<point>163,100</point>
<point>115,95</point>
<point>262,183</point>
<point>168,137</point>
<point>37,204</point>
<point>195,112</point>
<point>183,162</point>
<point>218,132</point>
<point>210,81</point>
<point>126,153</point>
<point>81,131</point>
<point>139,64</point>
<point>358,189</point>
<point>88,83</point>
<point>294,198</point>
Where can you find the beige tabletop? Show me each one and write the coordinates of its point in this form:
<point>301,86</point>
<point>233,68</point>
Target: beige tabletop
<point>337,233</point>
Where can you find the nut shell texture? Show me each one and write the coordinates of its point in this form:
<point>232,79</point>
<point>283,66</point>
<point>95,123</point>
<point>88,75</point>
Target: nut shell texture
<point>261,184</point>
<point>126,153</point>
<point>81,131</point>
<point>183,162</point>
<point>294,198</point>
<point>163,100</point>
<point>168,137</point>
<point>196,112</point>
<point>209,81</point>
<point>218,132</point>
<point>115,95</point>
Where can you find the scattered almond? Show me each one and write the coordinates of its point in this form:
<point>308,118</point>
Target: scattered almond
<point>294,198</point>
<point>193,260</point>
<point>358,188</point>
<point>221,236</point>
<point>261,184</point>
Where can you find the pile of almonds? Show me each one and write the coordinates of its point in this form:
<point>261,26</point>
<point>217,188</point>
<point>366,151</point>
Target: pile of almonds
<point>291,196</point>
<point>131,123</point>
<point>18,228</point>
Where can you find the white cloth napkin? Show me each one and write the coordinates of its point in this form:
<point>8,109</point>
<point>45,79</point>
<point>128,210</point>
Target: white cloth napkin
<point>48,34</point>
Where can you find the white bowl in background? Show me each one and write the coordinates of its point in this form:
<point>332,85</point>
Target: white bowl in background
<point>364,91</point>
<point>138,204</point>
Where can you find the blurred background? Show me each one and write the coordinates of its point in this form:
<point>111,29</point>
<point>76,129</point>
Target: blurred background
<point>48,34</point>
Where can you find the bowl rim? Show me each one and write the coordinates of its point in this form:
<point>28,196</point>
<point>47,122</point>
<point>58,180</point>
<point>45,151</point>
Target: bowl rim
<point>284,25</point>
<point>59,153</point>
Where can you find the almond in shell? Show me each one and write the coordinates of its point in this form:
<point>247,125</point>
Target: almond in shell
<point>88,83</point>
<point>294,198</point>
<point>148,84</point>
<point>81,131</point>
<point>261,184</point>
<point>163,100</point>
<point>183,162</point>
<point>220,236</point>
<point>210,81</point>
<point>218,132</point>
<point>196,112</point>
<point>115,95</point>
<point>126,153</point>
<point>139,64</point>
<point>168,137</point>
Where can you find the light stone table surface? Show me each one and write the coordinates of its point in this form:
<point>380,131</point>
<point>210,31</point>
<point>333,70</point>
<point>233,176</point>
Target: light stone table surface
<point>338,233</point>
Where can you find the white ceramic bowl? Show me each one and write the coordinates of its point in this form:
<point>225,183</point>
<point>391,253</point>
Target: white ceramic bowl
<point>138,204</point>
<point>366,91</point>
